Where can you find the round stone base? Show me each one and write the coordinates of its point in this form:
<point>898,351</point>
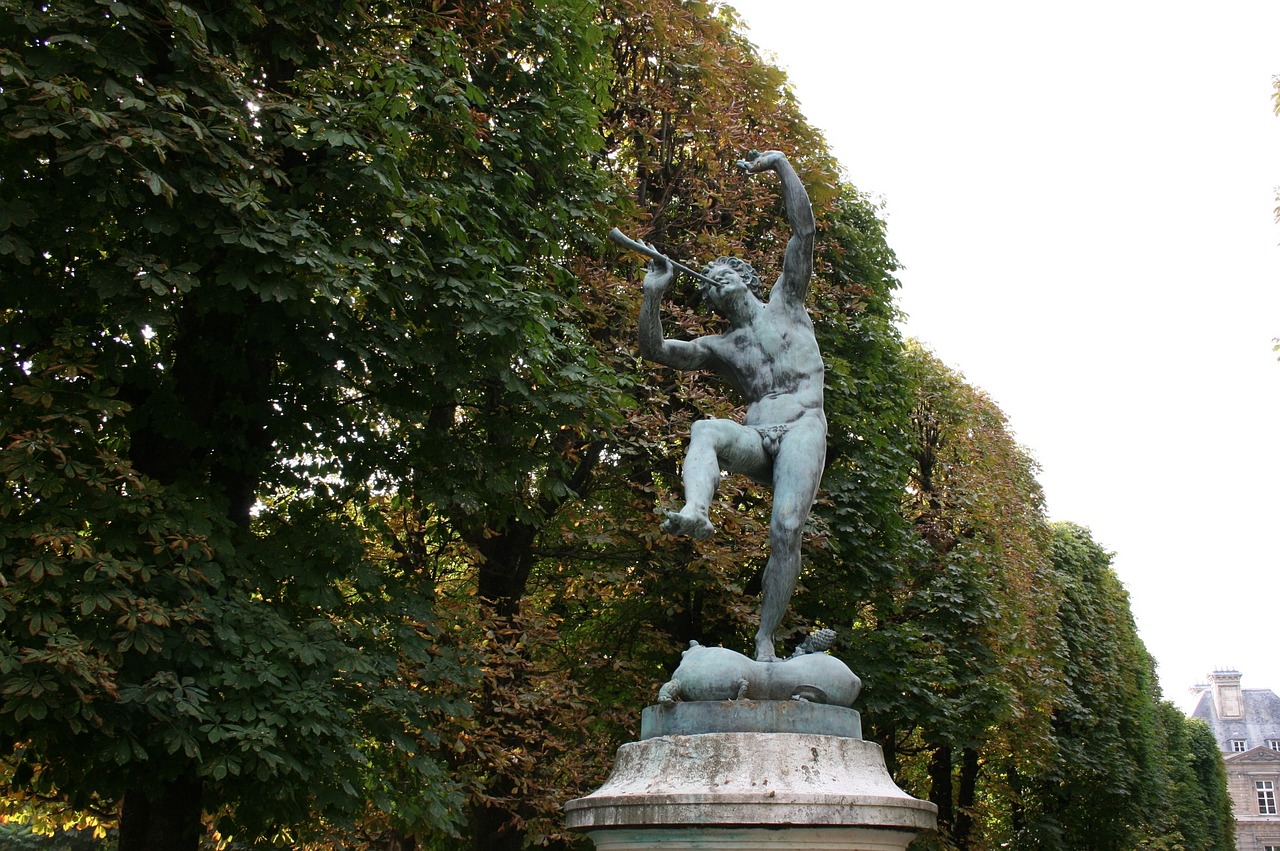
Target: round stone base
<point>774,789</point>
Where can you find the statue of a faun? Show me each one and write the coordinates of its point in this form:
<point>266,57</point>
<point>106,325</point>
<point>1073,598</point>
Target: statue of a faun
<point>770,356</point>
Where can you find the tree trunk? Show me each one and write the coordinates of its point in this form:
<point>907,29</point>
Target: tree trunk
<point>503,576</point>
<point>887,738</point>
<point>507,562</point>
<point>941,791</point>
<point>494,825</point>
<point>969,768</point>
<point>208,420</point>
<point>209,417</point>
<point>1017,812</point>
<point>168,820</point>
<point>493,830</point>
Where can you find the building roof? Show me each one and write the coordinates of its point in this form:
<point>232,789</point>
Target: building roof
<point>1259,722</point>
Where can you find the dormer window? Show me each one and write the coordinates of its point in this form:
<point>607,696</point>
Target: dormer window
<point>1274,744</point>
<point>1238,746</point>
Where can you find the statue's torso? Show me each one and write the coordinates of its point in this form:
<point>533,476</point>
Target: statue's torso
<point>775,364</point>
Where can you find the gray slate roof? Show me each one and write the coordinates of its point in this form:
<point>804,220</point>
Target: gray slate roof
<point>1261,719</point>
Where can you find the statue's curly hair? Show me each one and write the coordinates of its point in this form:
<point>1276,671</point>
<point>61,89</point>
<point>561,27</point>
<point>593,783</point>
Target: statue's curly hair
<point>744,270</point>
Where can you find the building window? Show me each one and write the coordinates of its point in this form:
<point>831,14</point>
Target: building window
<point>1237,745</point>
<point>1274,744</point>
<point>1266,797</point>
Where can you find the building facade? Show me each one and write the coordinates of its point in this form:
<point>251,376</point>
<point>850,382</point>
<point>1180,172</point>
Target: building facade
<point>1246,725</point>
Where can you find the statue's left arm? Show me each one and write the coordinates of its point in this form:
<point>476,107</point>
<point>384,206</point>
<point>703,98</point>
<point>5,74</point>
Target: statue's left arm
<point>797,263</point>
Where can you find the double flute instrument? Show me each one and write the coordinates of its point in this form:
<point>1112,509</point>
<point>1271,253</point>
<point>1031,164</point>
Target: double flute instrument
<point>625,241</point>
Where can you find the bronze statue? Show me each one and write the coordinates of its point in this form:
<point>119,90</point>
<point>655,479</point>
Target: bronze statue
<point>770,356</point>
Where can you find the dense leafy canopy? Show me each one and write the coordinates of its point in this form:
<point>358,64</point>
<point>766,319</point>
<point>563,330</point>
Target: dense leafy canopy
<point>330,470</point>
<point>1006,679</point>
<point>258,267</point>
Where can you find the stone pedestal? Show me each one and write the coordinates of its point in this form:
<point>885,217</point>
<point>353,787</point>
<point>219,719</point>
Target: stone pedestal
<point>751,789</point>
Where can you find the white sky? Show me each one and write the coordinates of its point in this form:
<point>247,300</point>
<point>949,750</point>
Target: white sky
<point>1082,195</point>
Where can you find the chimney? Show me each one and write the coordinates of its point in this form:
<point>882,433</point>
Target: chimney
<point>1226,693</point>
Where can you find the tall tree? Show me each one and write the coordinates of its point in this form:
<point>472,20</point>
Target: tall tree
<point>950,645</point>
<point>247,256</point>
<point>1199,813</point>
<point>1106,781</point>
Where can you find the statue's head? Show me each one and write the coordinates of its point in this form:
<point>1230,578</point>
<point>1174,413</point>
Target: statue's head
<point>727,269</point>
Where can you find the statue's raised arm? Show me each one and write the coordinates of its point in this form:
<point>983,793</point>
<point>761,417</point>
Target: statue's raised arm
<point>797,262</point>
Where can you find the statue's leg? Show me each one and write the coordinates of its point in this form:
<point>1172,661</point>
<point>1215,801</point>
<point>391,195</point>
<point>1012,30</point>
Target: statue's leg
<point>797,471</point>
<point>712,443</point>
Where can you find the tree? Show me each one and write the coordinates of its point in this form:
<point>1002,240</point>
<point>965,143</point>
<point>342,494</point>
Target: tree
<point>1209,802</point>
<point>949,644</point>
<point>1106,780</point>
<point>302,233</point>
<point>1199,813</point>
<point>1130,770</point>
<point>862,533</point>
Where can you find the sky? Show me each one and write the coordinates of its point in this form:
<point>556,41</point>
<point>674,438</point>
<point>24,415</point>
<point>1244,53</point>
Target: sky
<point>1083,199</point>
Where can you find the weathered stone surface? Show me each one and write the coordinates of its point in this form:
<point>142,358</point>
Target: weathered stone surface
<point>749,716</point>
<point>762,782</point>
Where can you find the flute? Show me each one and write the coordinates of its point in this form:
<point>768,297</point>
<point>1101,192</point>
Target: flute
<point>625,241</point>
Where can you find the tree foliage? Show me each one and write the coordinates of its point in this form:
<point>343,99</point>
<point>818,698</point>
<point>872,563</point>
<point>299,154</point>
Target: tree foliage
<point>298,243</point>
<point>1128,770</point>
<point>1201,815</point>
<point>1005,676</point>
<point>950,643</point>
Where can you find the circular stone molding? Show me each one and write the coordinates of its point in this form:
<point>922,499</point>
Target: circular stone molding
<point>773,789</point>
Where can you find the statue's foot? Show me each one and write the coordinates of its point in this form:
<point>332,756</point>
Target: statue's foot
<point>764,652</point>
<point>690,525</point>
